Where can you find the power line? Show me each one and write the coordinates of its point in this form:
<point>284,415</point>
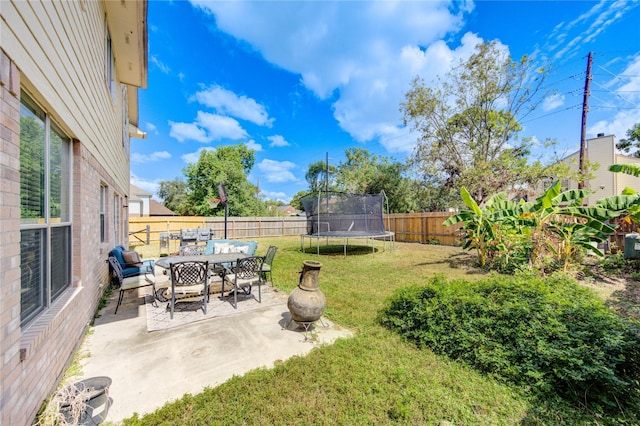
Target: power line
<point>553,113</point>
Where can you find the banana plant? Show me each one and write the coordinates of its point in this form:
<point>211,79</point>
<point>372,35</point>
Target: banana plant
<point>633,215</point>
<point>555,223</point>
<point>476,224</point>
<point>487,229</point>
<point>562,225</point>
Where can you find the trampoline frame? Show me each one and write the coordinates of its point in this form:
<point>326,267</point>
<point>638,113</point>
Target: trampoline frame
<point>387,236</point>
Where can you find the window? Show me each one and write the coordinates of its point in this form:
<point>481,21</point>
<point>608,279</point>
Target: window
<point>126,139</point>
<point>45,210</point>
<point>103,212</point>
<point>110,65</point>
<point>117,202</point>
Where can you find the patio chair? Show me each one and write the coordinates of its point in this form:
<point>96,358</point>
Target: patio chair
<point>189,283</point>
<point>268,261</point>
<point>246,273</point>
<point>129,283</point>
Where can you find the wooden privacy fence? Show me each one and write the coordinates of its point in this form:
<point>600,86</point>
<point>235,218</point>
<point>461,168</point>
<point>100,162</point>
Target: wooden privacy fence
<point>425,228</point>
<point>165,230</point>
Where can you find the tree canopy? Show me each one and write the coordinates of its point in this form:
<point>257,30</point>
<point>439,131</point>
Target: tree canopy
<point>468,124</point>
<point>229,165</point>
<point>631,144</point>
<point>174,193</point>
<point>363,173</point>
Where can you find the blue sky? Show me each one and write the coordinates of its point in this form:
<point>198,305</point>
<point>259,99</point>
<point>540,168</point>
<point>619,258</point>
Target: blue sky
<point>296,80</point>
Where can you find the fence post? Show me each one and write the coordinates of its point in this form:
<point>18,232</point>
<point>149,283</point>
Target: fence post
<point>148,232</point>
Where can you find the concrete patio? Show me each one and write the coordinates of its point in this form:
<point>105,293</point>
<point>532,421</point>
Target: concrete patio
<point>149,369</point>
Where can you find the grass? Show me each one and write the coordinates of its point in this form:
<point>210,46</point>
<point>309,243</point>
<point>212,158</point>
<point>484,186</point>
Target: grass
<point>374,377</point>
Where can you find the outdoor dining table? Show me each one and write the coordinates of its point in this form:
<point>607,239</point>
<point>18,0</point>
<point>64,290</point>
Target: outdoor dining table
<point>218,264</point>
<point>228,258</point>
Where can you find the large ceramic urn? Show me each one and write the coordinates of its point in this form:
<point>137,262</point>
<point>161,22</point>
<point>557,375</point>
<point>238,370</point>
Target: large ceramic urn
<point>306,303</point>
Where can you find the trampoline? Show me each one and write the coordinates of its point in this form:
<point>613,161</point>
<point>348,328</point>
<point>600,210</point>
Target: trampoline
<point>336,215</point>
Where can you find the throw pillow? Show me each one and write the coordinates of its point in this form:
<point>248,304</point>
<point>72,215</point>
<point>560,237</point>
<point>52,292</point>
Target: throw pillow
<point>221,248</point>
<point>131,258</point>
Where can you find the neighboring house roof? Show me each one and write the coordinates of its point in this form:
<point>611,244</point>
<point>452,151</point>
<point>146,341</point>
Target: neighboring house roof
<point>139,192</point>
<point>287,210</point>
<point>157,209</point>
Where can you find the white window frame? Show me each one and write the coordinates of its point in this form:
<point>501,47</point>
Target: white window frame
<point>104,191</point>
<point>109,63</point>
<point>117,225</point>
<point>42,270</point>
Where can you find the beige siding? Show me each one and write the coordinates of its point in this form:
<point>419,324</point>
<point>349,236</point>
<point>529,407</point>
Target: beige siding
<point>601,151</point>
<point>623,180</point>
<point>59,47</point>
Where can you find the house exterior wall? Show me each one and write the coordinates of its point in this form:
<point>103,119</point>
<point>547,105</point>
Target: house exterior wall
<point>55,52</point>
<point>601,150</point>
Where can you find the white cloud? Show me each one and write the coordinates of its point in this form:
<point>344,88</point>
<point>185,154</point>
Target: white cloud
<point>221,127</point>
<point>154,156</point>
<point>161,66</point>
<point>592,23</point>
<point>353,50</point>
<point>151,128</point>
<point>187,131</point>
<point>277,171</point>
<point>207,128</point>
<point>226,102</point>
<point>193,157</point>
<point>253,145</point>
<point>274,195</point>
<point>627,90</point>
<point>147,185</point>
<point>278,141</point>
<point>552,102</point>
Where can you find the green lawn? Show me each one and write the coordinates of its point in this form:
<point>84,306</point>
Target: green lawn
<point>372,378</point>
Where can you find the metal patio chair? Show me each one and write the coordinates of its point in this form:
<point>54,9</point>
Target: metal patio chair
<point>129,283</point>
<point>246,273</point>
<point>268,261</point>
<point>189,283</point>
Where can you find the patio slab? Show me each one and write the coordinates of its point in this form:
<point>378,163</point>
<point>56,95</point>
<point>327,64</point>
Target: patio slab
<point>149,369</point>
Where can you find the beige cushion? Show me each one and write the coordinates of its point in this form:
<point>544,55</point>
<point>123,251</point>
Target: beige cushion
<point>131,258</point>
<point>238,249</point>
<point>137,281</point>
<point>241,282</point>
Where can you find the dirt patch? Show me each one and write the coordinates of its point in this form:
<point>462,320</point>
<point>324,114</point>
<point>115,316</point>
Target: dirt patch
<point>622,293</point>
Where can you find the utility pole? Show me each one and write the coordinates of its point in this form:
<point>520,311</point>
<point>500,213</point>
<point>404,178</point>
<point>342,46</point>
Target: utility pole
<point>585,110</point>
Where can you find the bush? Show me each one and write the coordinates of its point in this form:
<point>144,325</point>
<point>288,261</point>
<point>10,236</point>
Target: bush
<point>549,335</point>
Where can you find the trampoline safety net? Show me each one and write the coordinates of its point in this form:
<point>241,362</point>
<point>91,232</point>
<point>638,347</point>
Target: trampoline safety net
<point>335,214</point>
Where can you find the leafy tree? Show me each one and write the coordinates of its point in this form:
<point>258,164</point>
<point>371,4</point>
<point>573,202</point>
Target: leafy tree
<point>631,144</point>
<point>32,167</point>
<point>365,173</point>
<point>317,178</point>
<point>271,207</point>
<point>468,124</point>
<point>174,193</point>
<point>229,165</point>
<point>295,201</point>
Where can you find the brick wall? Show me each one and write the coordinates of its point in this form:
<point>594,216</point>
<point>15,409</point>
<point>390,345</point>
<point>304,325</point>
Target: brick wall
<point>9,234</point>
<point>34,357</point>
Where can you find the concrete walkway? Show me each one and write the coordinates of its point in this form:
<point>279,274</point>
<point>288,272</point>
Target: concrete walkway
<point>149,369</point>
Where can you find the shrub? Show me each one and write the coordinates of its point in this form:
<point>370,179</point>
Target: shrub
<point>546,334</point>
